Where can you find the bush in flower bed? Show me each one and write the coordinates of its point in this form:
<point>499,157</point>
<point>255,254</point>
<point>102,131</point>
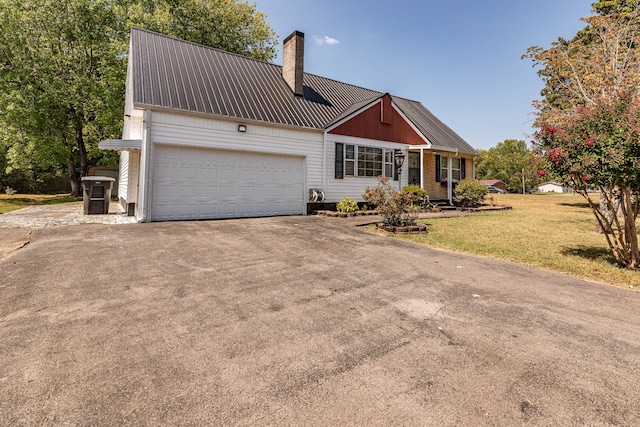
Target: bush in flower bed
<point>394,207</point>
<point>469,193</point>
<point>347,205</point>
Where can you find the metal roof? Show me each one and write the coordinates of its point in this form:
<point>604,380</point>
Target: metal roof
<point>175,74</point>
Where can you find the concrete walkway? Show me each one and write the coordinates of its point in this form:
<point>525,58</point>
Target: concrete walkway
<point>60,215</point>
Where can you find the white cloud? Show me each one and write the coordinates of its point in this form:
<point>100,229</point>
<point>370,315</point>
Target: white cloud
<point>326,40</point>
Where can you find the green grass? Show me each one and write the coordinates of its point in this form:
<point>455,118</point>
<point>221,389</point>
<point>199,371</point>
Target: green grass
<point>19,201</point>
<point>554,232</point>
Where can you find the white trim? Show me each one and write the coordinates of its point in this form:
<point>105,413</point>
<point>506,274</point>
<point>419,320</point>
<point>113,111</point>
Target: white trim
<point>365,141</point>
<point>422,168</point>
<point>210,116</point>
<point>324,162</point>
<point>148,167</point>
<point>410,123</point>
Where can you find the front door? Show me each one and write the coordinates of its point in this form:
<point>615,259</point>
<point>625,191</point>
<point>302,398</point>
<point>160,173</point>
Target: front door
<point>414,168</point>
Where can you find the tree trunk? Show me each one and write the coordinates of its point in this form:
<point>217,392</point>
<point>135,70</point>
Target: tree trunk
<point>82,149</point>
<point>76,191</point>
<point>631,233</point>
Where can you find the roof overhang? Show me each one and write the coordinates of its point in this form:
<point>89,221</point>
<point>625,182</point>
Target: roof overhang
<point>121,144</point>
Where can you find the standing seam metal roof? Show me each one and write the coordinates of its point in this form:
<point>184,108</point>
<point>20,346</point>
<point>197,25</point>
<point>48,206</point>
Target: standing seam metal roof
<point>176,74</point>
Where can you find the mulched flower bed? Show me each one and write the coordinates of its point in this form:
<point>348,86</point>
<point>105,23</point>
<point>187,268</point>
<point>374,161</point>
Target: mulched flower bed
<point>359,213</point>
<point>409,229</point>
<point>345,214</point>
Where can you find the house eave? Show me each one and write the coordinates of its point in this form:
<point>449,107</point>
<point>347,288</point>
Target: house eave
<point>121,144</point>
<point>213,116</point>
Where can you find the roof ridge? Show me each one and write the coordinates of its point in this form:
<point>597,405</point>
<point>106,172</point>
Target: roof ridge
<point>133,27</point>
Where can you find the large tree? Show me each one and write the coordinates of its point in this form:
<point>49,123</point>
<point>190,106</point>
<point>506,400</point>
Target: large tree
<point>507,161</point>
<point>589,117</point>
<point>63,64</point>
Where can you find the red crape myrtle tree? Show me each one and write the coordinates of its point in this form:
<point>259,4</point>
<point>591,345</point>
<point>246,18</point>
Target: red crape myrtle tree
<point>588,118</point>
<point>598,148</point>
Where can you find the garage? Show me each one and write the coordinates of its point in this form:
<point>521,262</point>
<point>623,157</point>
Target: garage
<point>194,183</point>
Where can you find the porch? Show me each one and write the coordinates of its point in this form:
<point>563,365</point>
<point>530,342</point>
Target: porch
<point>432,170</point>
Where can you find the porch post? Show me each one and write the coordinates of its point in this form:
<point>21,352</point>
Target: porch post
<point>422,168</point>
<point>449,180</point>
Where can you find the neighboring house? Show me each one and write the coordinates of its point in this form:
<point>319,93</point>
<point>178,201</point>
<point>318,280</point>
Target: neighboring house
<point>210,134</point>
<point>553,187</point>
<point>495,183</point>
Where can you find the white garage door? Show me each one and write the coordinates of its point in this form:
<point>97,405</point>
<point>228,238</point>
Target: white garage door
<point>192,183</point>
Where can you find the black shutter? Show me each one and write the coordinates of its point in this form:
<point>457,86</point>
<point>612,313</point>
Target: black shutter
<point>463,169</point>
<point>339,160</point>
<point>395,168</point>
<point>437,167</point>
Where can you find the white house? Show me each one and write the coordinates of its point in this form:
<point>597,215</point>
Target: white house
<point>553,187</point>
<point>210,134</point>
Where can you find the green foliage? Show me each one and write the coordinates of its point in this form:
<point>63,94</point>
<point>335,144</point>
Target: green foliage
<point>394,207</point>
<point>347,205</point>
<point>589,119</point>
<point>469,193</point>
<point>418,195</point>
<point>607,7</point>
<point>505,162</point>
<point>599,147</point>
<point>63,66</point>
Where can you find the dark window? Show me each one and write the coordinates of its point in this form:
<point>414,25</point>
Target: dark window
<point>339,163</point>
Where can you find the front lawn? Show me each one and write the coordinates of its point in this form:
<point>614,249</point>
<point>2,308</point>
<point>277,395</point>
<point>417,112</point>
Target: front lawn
<point>19,201</point>
<point>554,232</point>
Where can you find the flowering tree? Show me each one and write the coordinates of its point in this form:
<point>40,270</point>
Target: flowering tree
<point>589,121</point>
<point>599,148</point>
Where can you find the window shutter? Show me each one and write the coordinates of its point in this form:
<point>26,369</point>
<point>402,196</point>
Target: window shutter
<point>395,168</point>
<point>463,169</point>
<point>339,160</point>
<point>437,167</point>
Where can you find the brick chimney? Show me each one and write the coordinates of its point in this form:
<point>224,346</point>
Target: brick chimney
<point>293,62</point>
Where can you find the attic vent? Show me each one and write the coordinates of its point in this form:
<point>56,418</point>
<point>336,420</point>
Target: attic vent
<point>293,62</point>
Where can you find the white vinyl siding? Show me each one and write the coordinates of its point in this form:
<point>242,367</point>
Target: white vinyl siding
<point>190,132</point>
<point>123,182</point>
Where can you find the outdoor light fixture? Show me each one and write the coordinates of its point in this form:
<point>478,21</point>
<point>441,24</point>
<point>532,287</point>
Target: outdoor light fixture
<point>242,128</point>
<point>399,160</point>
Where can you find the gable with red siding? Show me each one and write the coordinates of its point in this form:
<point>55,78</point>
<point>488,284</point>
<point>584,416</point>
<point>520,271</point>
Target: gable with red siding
<point>380,122</point>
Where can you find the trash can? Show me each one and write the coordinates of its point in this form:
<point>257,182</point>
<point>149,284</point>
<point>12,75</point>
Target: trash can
<point>96,194</point>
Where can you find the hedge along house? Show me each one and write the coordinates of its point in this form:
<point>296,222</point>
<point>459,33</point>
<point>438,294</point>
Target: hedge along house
<point>209,134</point>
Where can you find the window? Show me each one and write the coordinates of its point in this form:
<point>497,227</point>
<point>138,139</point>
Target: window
<point>360,160</point>
<point>444,167</point>
<point>455,168</point>
<point>349,160</point>
<point>388,163</point>
<point>369,161</point>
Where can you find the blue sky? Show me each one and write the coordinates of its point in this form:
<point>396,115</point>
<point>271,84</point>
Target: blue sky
<point>461,59</point>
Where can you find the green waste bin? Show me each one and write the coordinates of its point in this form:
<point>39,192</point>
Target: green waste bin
<point>96,194</point>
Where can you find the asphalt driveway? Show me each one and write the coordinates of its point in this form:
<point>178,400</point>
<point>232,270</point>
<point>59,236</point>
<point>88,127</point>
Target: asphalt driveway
<point>301,321</point>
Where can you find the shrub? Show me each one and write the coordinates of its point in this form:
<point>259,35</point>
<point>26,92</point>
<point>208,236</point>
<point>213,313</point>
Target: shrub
<point>469,193</point>
<point>419,195</point>
<point>394,207</point>
<point>347,205</point>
